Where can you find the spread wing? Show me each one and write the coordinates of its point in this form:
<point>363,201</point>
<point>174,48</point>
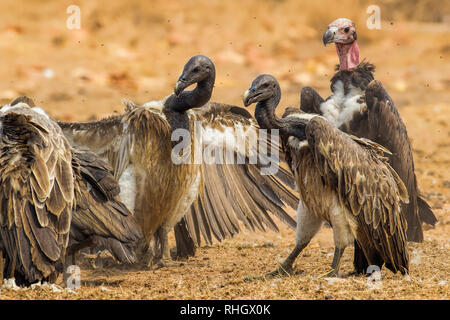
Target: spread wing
<point>367,186</point>
<point>36,194</point>
<point>236,193</point>
<point>387,128</point>
<point>108,138</point>
<point>114,138</point>
<point>99,212</point>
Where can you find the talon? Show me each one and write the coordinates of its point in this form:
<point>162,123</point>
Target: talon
<point>281,271</point>
<point>330,274</point>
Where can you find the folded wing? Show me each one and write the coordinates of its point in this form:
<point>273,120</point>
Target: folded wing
<point>368,187</point>
<point>36,194</point>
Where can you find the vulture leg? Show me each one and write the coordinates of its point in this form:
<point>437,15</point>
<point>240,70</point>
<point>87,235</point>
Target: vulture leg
<point>73,250</point>
<point>151,251</point>
<point>338,252</point>
<point>360,262</point>
<point>342,238</point>
<point>310,100</point>
<point>185,245</point>
<point>163,237</point>
<point>285,268</point>
<point>308,224</point>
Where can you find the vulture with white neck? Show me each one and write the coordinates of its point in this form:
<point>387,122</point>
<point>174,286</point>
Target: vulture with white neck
<point>360,105</point>
<point>342,179</point>
<point>206,200</point>
<point>51,193</point>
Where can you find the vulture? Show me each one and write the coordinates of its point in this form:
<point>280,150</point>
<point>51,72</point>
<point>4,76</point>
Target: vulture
<point>343,180</point>
<point>360,105</point>
<point>53,196</point>
<point>201,199</point>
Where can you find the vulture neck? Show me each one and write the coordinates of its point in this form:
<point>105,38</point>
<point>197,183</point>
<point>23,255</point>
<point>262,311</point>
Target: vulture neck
<point>267,119</point>
<point>348,55</point>
<point>265,112</point>
<point>194,98</point>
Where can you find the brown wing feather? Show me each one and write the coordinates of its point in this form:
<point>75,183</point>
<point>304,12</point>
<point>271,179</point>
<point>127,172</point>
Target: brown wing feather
<point>237,192</point>
<point>387,128</point>
<point>99,212</point>
<point>33,231</point>
<point>96,135</point>
<point>368,187</point>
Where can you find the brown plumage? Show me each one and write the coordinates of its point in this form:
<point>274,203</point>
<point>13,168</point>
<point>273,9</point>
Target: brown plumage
<point>232,192</point>
<point>364,108</point>
<point>100,219</point>
<point>41,183</point>
<point>343,180</point>
<point>378,120</point>
<point>138,145</point>
<point>366,185</point>
<point>37,195</point>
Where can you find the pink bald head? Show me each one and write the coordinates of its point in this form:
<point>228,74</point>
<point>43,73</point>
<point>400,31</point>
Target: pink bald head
<point>342,32</point>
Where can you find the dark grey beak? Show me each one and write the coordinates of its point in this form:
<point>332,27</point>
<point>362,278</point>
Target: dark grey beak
<point>328,37</point>
<point>179,86</point>
<point>248,97</point>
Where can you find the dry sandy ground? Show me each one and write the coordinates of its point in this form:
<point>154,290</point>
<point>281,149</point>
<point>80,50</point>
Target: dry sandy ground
<point>136,49</point>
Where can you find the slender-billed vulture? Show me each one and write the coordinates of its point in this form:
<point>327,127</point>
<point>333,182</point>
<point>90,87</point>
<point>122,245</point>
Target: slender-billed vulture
<point>342,179</point>
<point>208,199</point>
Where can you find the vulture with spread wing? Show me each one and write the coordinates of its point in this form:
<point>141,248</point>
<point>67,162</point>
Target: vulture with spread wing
<point>165,186</point>
<point>50,193</point>
<point>342,179</point>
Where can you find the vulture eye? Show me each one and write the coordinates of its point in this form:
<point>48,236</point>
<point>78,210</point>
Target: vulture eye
<point>346,29</point>
<point>196,69</point>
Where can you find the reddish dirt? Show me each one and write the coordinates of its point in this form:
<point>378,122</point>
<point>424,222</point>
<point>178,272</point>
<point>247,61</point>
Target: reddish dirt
<point>137,49</point>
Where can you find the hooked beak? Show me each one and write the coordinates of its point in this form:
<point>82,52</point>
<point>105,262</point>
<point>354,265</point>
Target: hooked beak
<point>328,36</point>
<point>179,86</point>
<point>249,96</point>
<point>245,98</point>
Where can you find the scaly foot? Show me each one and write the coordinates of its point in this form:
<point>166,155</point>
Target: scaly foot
<point>281,271</point>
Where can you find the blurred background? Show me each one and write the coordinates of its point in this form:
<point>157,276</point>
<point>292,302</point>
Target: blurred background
<point>137,49</point>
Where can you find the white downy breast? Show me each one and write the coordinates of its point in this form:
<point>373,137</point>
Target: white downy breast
<point>340,107</point>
